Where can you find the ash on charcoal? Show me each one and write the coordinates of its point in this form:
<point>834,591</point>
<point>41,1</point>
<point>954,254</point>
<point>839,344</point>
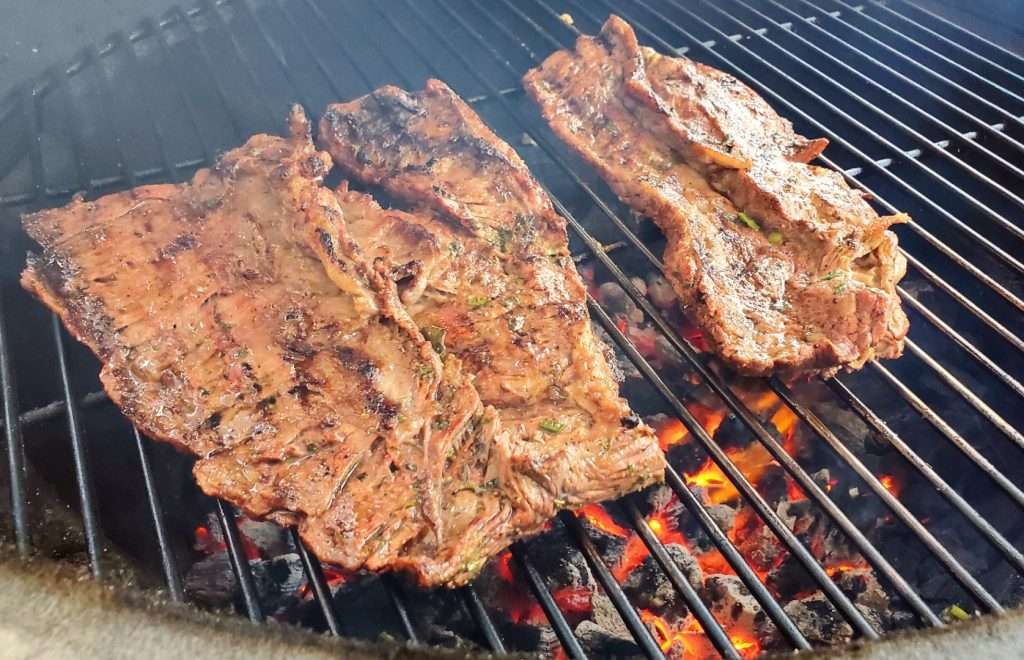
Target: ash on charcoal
<point>599,642</point>
<point>649,587</point>
<point>663,499</point>
<point>607,617</point>
<point>618,303</point>
<point>818,620</point>
<point>211,580</point>
<point>660,291</point>
<point>723,515</point>
<point>734,607</point>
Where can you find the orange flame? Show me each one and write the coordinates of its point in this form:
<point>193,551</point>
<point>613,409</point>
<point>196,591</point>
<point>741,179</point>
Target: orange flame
<point>633,555</point>
<point>753,461</point>
<point>841,567</point>
<point>598,517</point>
<point>671,432</point>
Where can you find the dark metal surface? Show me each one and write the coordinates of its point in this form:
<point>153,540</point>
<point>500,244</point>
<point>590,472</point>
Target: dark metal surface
<point>917,128</point>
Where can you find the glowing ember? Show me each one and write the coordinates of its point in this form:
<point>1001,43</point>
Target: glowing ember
<point>890,484</point>
<point>835,569</point>
<point>747,646</point>
<point>598,517</point>
<point>504,566</point>
<point>685,637</point>
<point>784,420</point>
<point>753,461</point>
<point>570,600</point>
<point>632,556</point>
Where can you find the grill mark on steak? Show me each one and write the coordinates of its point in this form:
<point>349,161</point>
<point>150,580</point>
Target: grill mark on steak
<point>809,286</point>
<point>494,283</point>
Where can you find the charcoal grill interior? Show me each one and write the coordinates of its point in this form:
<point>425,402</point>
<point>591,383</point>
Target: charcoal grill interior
<point>924,115</point>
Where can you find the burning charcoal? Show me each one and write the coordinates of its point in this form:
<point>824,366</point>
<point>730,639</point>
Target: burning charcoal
<point>649,587</point>
<point>818,620</point>
<point>664,500</point>
<point>617,302</point>
<point>598,642</point>
<point>269,537</point>
<point>556,557</point>
<point>734,607</point>
<point>608,534</point>
<point>660,291</point>
<point>789,579</point>
<point>666,355</point>
<point>868,595</point>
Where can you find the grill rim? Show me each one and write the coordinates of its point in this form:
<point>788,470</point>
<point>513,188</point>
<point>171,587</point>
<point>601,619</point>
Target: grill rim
<point>71,405</point>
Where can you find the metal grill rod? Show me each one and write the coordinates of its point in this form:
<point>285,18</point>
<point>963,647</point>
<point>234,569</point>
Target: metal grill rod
<point>737,407</point>
<point>483,619</point>
<point>83,473</point>
<point>547,604</point>
<point>744,486</point>
<point>712,629</point>
<point>926,470</point>
<point>167,560</point>
<point>969,73</point>
<point>962,342</point>
<point>981,125</point>
<point>239,562</point>
<point>15,444</point>
<point>977,39</point>
<point>943,427</point>
<point>629,614</point>
<point>1004,256</point>
<point>967,395</point>
<point>321,590</point>
<point>933,147</point>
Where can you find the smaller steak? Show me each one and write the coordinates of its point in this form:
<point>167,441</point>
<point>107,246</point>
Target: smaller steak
<point>783,267</point>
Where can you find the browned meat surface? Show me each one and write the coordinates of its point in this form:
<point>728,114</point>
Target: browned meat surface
<point>784,267</point>
<point>484,268</point>
<point>236,318</point>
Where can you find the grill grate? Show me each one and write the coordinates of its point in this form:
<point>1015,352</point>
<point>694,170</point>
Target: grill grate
<point>932,134</point>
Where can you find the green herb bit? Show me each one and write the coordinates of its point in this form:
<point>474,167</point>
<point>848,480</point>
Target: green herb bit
<point>552,426</point>
<point>478,301</point>
<point>441,423</point>
<point>833,275</point>
<point>957,612</point>
<point>435,335</point>
<point>424,370</point>
<point>839,288</point>
<point>748,221</point>
<point>775,237</point>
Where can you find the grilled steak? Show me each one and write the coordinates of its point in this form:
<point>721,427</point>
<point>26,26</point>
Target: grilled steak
<point>236,318</point>
<point>484,268</point>
<point>783,267</point>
